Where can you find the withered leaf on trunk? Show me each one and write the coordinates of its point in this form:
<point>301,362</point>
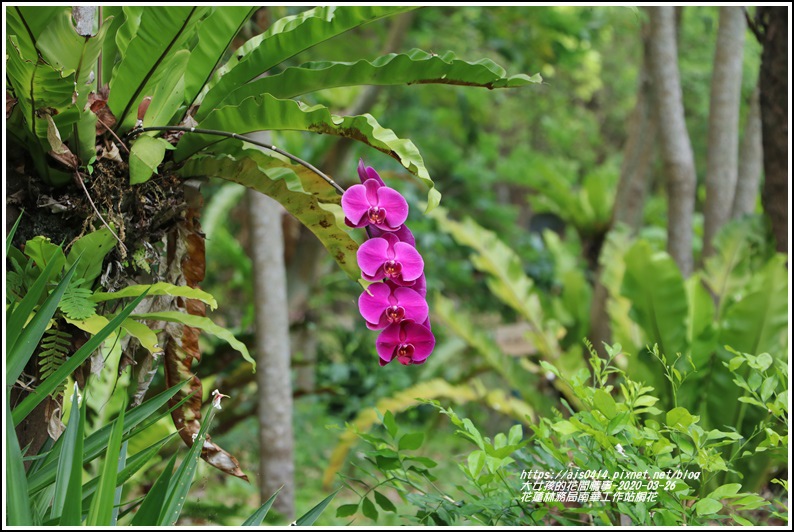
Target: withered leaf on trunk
<point>11,102</point>
<point>186,267</point>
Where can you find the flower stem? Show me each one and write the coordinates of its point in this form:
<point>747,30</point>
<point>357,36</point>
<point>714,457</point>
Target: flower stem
<point>227,134</point>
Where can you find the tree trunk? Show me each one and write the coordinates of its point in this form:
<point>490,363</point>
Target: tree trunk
<point>723,149</point>
<point>679,161</point>
<point>774,119</point>
<point>638,154</point>
<point>751,160</point>
<point>274,381</point>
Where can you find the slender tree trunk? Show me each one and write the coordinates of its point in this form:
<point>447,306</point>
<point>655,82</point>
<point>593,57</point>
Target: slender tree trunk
<point>638,155</point>
<point>274,381</point>
<point>723,149</point>
<point>679,161</point>
<point>751,161</point>
<point>774,119</point>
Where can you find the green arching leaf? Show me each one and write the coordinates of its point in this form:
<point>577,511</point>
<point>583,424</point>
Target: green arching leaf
<point>258,516</point>
<point>110,47</point>
<point>215,35</point>
<point>416,66</point>
<point>158,289</point>
<point>654,285</point>
<point>101,510</point>
<point>199,322</point>
<point>146,155</point>
<point>66,503</point>
<point>162,31</point>
<point>146,336</point>
<point>312,515</point>
<point>758,322</point>
<point>91,249</point>
<point>42,251</point>
<point>384,502</point>
<point>265,112</point>
<point>168,93</point>
<point>303,196</point>
<point>47,386</point>
<point>36,18</point>
<point>283,39</point>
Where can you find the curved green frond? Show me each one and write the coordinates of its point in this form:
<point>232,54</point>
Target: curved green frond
<point>163,30</point>
<point>215,35</point>
<point>284,39</point>
<point>302,193</point>
<point>259,113</point>
<point>414,67</point>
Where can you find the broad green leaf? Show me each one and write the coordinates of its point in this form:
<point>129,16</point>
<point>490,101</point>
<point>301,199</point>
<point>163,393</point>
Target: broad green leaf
<point>368,509</point>
<point>383,502</point>
<point>701,336</point>
<point>49,384</point>
<point>264,112</point>
<point>605,403</point>
<point>28,338</point>
<point>91,249</point>
<point>199,322</point>
<point>66,503</point>
<point>476,461</point>
<point>390,423</point>
<point>725,491</point>
<point>73,54</point>
<point>680,418</point>
<point>311,516</point>
<point>758,322</point>
<point>158,289</point>
<point>101,510</point>
<point>258,516</point>
<point>515,435</point>
<point>284,39</point>
<point>162,31</point>
<point>654,285</point>
<point>109,46</point>
<point>707,506</point>
<point>168,93</point>
<point>302,193</point>
<point>411,441</point>
<point>346,510</point>
<point>146,154</point>
<point>19,510</point>
<point>215,35</point>
<point>416,66</point>
<point>146,336</point>
<point>152,505</point>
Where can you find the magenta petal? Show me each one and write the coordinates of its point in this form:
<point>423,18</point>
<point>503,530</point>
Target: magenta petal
<point>395,205</point>
<point>420,285</point>
<point>355,204</point>
<point>372,187</point>
<point>371,255</point>
<point>403,234</point>
<point>367,172</point>
<point>421,338</point>
<point>410,259</point>
<point>414,304</point>
<point>388,341</point>
<point>373,302</point>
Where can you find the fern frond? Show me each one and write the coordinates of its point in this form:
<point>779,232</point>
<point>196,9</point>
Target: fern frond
<point>75,303</point>
<point>55,347</point>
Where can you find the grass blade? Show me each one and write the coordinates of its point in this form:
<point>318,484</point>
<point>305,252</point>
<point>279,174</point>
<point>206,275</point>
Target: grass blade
<point>311,516</point>
<point>258,516</point>
<point>10,236</point>
<point>183,478</point>
<point>21,339</point>
<point>143,415</point>
<point>18,509</point>
<point>69,478</point>
<point>101,511</point>
<point>152,504</point>
<point>81,355</point>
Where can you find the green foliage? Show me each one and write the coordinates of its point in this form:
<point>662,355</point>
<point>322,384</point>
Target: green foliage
<point>55,346</point>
